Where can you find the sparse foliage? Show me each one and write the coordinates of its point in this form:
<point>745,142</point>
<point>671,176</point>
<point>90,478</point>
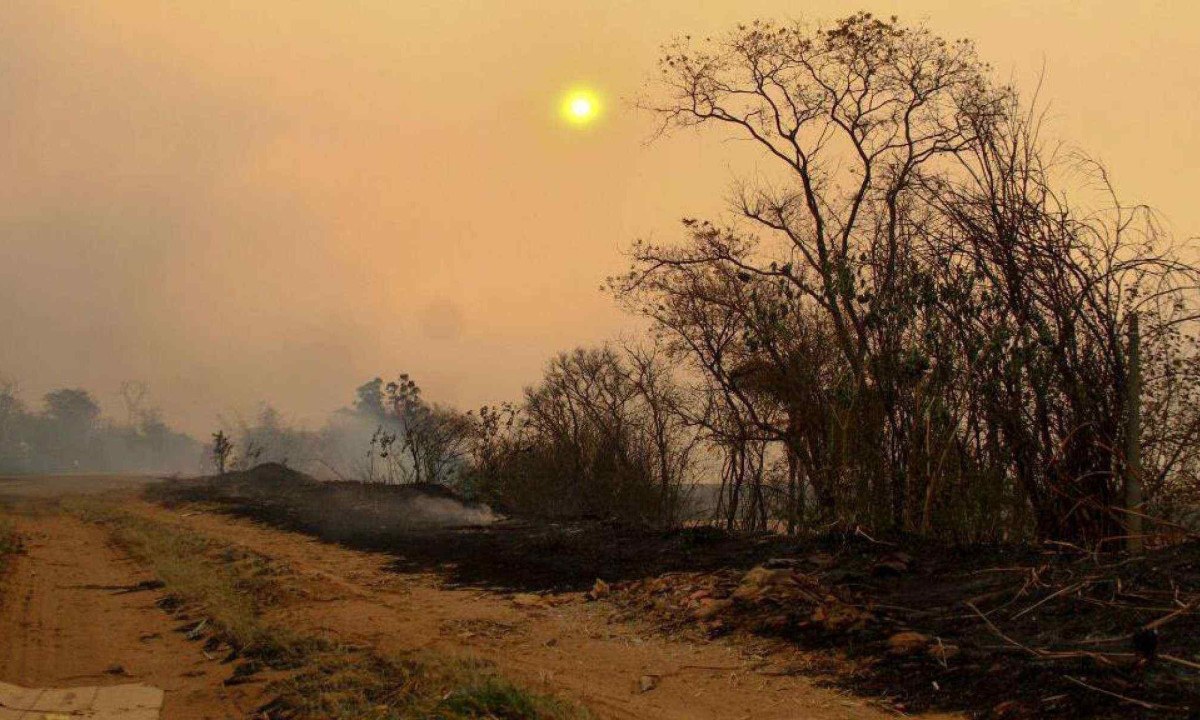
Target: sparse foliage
<point>908,323</point>
<point>601,435</point>
<point>222,448</point>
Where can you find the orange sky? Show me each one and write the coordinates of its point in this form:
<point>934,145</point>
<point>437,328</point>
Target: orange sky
<point>237,202</point>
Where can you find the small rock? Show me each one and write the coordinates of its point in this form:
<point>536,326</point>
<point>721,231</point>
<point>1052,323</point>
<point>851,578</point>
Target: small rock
<point>646,683</point>
<point>838,616</point>
<point>942,652</point>
<point>758,580</point>
<point>907,643</point>
<point>529,600</point>
<point>781,563</point>
<point>710,608</point>
<point>600,590</point>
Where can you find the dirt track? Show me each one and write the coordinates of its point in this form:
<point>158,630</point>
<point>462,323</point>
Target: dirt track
<point>26,487</point>
<point>68,617</point>
<point>57,627</point>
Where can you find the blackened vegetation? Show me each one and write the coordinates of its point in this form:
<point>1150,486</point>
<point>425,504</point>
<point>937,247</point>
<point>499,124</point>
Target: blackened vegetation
<point>469,544</point>
<point>1003,631</point>
<point>1000,632</point>
<point>339,511</point>
<point>606,433</point>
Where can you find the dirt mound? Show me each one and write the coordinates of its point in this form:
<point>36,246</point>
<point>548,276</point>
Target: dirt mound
<point>337,510</point>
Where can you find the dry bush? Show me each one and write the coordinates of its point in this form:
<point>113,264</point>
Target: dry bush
<point>600,436</point>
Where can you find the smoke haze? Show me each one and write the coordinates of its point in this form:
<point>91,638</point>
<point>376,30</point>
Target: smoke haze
<point>274,200</point>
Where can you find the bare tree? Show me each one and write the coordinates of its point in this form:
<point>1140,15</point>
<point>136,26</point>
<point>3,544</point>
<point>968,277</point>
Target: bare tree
<point>133,395</point>
<point>222,447</point>
<point>909,306</point>
<point>603,434</point>
<point>434,439</point>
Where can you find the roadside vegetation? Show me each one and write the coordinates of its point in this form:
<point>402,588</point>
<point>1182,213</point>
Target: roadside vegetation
<point>351,685</point>
<point>229,588</point>
<point>227,594</point>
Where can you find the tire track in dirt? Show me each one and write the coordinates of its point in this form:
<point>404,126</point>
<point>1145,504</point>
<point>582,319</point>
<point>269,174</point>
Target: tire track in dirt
<point>573,648</point>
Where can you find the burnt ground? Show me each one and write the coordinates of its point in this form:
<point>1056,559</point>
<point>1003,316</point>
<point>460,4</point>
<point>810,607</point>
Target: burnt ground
<point>509,555</point>
<point>1000,632</point>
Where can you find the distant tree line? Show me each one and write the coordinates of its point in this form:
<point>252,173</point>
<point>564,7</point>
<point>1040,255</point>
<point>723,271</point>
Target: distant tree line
<point>68,434</point>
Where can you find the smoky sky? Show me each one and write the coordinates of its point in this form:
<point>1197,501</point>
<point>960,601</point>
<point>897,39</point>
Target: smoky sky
<point>274,201</point>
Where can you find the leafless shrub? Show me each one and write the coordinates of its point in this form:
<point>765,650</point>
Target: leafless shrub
<point>600,436</point>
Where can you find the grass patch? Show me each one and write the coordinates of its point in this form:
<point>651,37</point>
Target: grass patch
<point>418,687</point>
<point>232,589</point>
<point>228,587</point>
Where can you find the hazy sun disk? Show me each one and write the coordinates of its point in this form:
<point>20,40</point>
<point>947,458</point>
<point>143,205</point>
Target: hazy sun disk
<point>580,107</point>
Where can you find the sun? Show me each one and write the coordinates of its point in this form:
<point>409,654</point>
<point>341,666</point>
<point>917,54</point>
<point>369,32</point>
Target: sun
<point>580,107</point>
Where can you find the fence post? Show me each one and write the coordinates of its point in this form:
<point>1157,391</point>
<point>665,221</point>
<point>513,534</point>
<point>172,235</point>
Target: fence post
<point>1133,434</point>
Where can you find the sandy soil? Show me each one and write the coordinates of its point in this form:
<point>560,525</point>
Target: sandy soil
<point>67,617</point>
<point>64,620</point>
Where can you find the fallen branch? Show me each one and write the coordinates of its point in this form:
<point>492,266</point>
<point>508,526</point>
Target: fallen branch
<point>1077,586</point>
<point>1126,698</point>
<point>1187,608</point>
<point>1106,658</point>
<point>1179,661</point>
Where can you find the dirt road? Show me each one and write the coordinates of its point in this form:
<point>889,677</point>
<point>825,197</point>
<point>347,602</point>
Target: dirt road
<point>71,613</point>
<point>25,486</point>
<point>64,620</point>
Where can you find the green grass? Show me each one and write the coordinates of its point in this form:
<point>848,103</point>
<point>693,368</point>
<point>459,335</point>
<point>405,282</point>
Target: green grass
<point>416,687</point>
<point>229,588</point>
<point>233,589</point>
